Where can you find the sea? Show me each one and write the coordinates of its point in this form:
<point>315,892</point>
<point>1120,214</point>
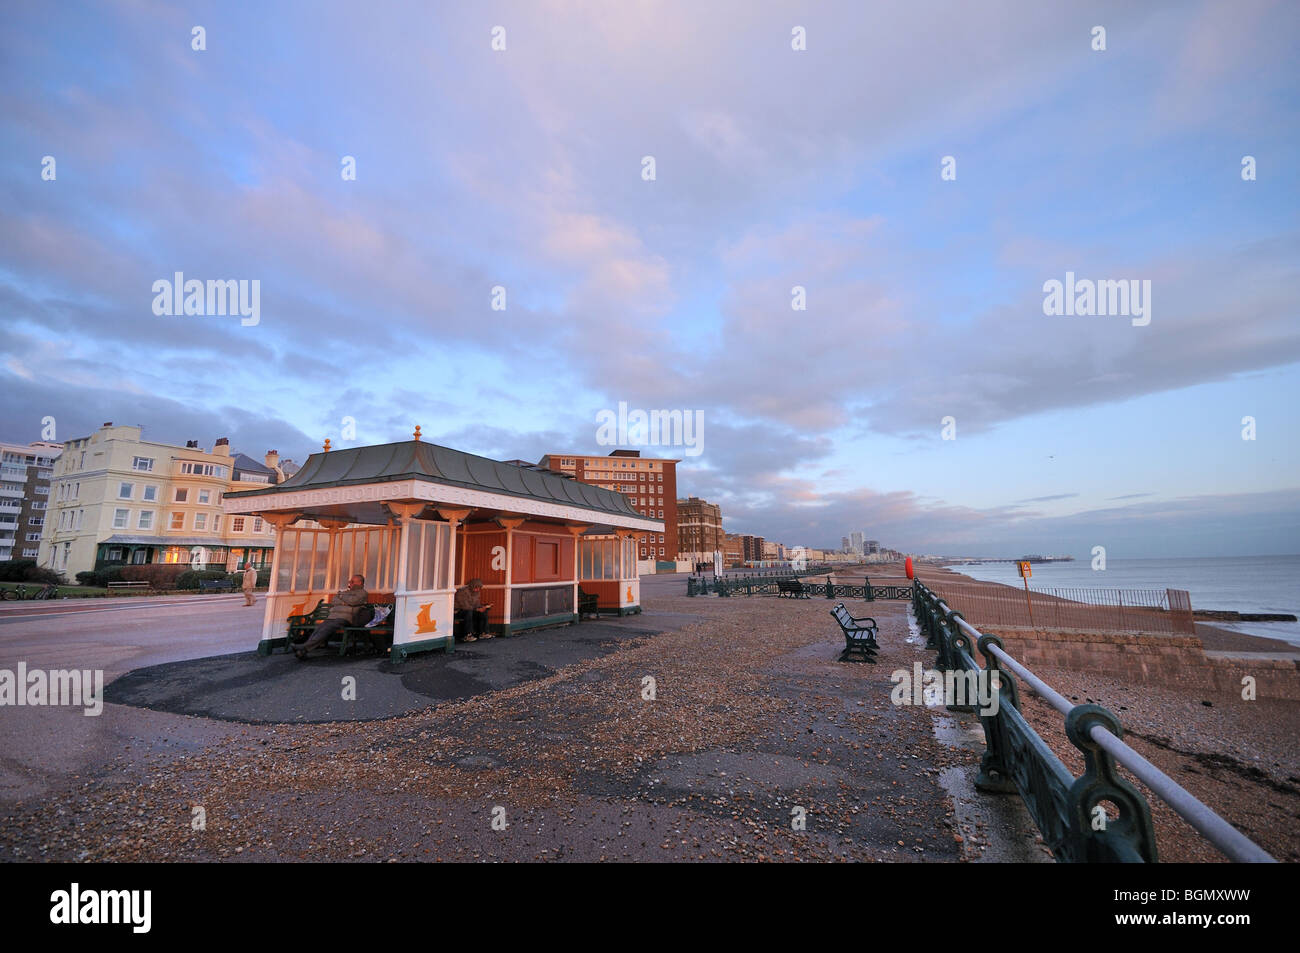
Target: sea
<point>1241,583</point>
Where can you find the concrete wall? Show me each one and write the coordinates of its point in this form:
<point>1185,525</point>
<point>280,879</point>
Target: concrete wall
<point>1173,660</point>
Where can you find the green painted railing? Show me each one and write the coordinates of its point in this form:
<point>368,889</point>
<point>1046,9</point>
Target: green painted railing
<point>1070,812</point>
<point>770,585</point>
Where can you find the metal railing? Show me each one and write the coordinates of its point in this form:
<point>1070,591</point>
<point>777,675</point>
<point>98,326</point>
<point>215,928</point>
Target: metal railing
<point>1155,611</point>
<point>770,585</point>
<point>1070,812</point>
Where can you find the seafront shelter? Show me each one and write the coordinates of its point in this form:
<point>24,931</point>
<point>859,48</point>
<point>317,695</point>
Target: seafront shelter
<point>418,520</point>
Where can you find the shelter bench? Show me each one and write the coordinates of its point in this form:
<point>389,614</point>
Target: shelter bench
<point>379,636</point>
<point>588,604</point>
<point>793,588</point>
<point>859,635</point>
<point>215,585</point>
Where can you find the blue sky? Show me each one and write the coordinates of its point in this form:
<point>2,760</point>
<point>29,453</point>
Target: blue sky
<point>775,168</point>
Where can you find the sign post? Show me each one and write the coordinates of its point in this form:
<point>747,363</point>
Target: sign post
<point>1025,572</point>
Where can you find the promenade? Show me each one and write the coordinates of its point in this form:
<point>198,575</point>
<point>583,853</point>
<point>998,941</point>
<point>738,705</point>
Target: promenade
<point>753,724</point>
<point>749,724</point>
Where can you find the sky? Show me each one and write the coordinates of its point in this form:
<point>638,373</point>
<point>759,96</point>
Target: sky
<point>921,395</point>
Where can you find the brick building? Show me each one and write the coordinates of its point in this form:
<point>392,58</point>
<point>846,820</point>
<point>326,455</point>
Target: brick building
<point>649,483</point>
<point>25,474</point>
<point>699,529</point>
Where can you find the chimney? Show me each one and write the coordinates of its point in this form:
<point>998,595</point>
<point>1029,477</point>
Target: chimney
<point>108,423</point>
<point>273,458</point>
<point>222,447</point>
<point>191,444</point>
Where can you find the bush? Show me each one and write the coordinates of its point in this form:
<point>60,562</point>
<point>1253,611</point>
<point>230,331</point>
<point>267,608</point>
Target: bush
<point>158,575</point>
<point>191,578</point>
<point>100,577</point>
<point>26,570</point>
<point>13,570</point>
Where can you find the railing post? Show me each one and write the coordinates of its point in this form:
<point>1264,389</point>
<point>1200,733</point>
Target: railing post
<point>866,588</point>
<point>690,586</point>
<point>1093,836</point>
<point>995,771</point>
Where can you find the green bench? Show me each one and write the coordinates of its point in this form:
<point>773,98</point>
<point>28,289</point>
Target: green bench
<point>588,604</point>
<point>379,637</point>
<point>859,635</point>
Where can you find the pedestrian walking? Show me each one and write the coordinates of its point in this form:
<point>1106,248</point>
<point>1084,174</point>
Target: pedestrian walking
<point>250,583</point>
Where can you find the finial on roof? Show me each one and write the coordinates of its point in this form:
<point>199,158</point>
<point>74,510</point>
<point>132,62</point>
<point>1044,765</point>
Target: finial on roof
<point>416,435</point>
<point>326,448</point>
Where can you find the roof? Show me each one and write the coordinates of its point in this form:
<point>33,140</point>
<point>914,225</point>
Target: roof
<point>243,461</point>
<point>430,463</point>
<point>218,543</point>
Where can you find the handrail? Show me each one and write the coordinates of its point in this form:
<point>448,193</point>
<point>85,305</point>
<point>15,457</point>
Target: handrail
<point>1230,841</point>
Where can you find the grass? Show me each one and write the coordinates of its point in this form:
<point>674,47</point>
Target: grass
<point>69,591</point>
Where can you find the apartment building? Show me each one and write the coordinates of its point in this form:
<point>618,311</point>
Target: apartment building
<point>699,529</point>
<point>25,474</point>
<point>117,499</point>
<point>649,482</point>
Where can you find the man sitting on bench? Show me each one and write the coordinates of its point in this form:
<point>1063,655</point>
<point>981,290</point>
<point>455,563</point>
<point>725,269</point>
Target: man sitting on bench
<point>471,615</point>
<point>343,611</point>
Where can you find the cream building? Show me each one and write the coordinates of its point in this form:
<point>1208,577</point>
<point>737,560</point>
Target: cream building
<point>117,499</point>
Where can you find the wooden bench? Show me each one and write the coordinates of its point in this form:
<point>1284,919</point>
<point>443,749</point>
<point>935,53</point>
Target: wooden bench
<point>859,635</point>
<point>136,584</point>
<point>379,636</point>
<point>588,604</point>
<point>792,588</point>
<point>215,585</point>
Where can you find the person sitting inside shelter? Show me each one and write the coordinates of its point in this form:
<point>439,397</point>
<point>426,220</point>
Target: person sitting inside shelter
<point>343,613</point>
<point>471,614</point>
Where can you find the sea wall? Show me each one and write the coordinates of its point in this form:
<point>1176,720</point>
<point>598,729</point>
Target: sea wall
<point>1173,660</point>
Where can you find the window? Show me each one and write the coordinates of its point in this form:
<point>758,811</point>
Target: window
<point>124,490</point>
<point>114,554</point>
<point>77,522</point>
<point>143,464</point>
<point>31,521</point>
<point>205,496</point>
<point>203,469</point>
<point>236,524</point>
<point>661,550</point>
<point>178,521</point>
<point>121,518</point>
<point>201,521</point>
<point>30,552</point>
<point>216,523</point>
<point>257,524</point>
<point>149,494</point>
<point>146,519</point>
<point>38,504</point>
<point>42,490</point>
<point>33,537</point>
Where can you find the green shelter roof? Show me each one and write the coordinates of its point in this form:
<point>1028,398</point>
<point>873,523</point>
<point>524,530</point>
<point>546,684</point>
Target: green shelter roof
<point>418,460</point>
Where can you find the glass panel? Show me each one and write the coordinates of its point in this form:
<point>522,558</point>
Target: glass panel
<point>288,547</point>
<point>414,549</point>
<point>321,561</point>
<point>343,568</point>
<point>302,564</point>
<point>392,549</point>
<point>597,561</point>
